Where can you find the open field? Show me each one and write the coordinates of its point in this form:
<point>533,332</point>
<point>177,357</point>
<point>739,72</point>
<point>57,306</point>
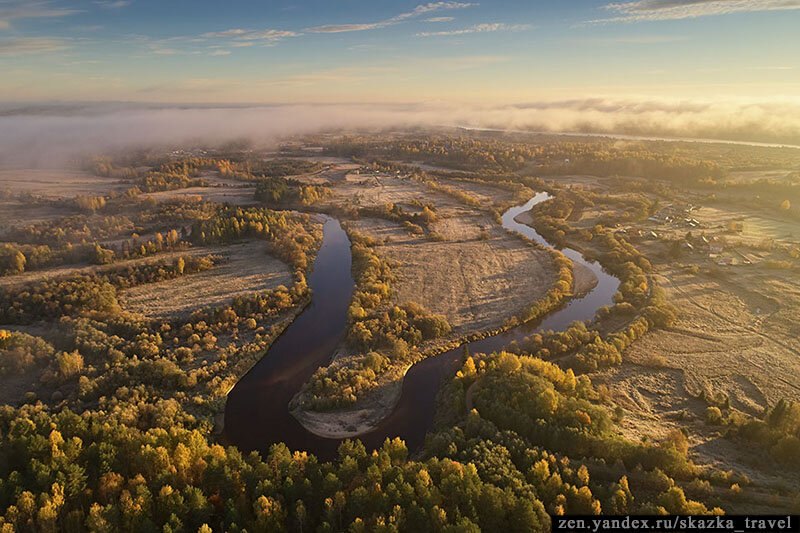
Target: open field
<point>656,401</point>
<point>757,226</point>
<point>57,183</point>
<point>725,337</point>
<point>72,270</point>
<point>334,172</point>
<point>476,283</point>
<point>241,195</point>
<point>17,213</point>
<point>248,269</point>
<point>754,175</point>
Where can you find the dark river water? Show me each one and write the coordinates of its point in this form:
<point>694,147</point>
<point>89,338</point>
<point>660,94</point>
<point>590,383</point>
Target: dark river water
<point>257,414</point>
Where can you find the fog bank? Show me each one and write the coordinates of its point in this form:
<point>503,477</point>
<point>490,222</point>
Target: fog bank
<point>47,135</point>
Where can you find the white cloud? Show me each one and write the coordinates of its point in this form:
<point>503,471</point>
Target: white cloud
<point>414,13</point>
<point>31,45</point>
<point>440,19</point>
<point>477,28</point>
<point>268,35</point>
<point>341,28</point>
<point>649,10</point>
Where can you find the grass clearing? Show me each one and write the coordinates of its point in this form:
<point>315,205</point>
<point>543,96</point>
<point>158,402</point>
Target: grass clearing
<point>249,269</point>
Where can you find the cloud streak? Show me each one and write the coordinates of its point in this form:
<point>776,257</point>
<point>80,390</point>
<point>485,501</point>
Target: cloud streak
<point>252,35</point>
<point>418,11</point>
<point>115,4</point>
<point>477,28</point>
<point>653,10</point>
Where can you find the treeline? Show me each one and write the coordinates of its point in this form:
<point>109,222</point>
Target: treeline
<point>276,191</point>
<point>372,326</point>
<point>555,295</point>
<point>290,239</point>
<point>779,196</point>
<point>70,230</point>
<point>78,239</point>
<point>455,152</point>
<point>458,194</point>
<point>777,431</point>
<point>135,216</point>
<point>552,216</point>
<point>589,349</point>
<point>283,167</point>
<point>252,310</point>
<point>15,259</point>
<point>252,170</point>
<point>384,337</point>
<point>415,223</point>
<point>602,159</point>
<point>172,176</point>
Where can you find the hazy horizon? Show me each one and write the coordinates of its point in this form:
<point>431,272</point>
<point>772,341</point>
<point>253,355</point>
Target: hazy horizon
<point>117,73</point>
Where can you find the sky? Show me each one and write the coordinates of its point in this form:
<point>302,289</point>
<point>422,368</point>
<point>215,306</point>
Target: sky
<point>377,51</point>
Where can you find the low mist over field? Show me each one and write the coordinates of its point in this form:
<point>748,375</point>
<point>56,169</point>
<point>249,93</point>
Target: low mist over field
<point>51,134</point>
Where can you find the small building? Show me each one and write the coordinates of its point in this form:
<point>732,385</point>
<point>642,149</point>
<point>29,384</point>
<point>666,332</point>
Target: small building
<point>715,247</point>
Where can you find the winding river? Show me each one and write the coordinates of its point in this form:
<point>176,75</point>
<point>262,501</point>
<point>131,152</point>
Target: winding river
<point>257,414</point>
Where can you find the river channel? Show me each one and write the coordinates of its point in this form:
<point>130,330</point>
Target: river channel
<point>257,413</point>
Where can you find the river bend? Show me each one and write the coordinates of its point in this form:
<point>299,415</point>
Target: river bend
<point>257,413</point>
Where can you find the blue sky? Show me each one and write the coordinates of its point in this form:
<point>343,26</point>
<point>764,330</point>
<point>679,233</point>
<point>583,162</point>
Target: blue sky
<point>381,51</point>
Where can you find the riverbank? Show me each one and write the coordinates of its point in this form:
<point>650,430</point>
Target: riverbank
<point>583,279</point>
<point>353,422</point>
